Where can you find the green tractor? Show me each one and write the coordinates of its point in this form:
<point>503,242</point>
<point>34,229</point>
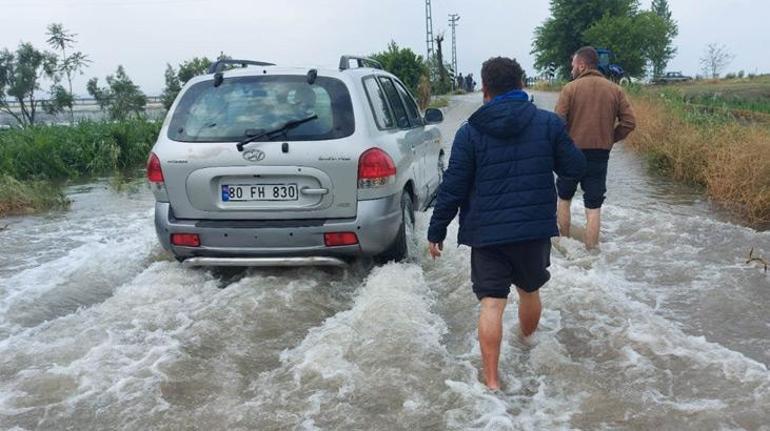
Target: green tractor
<point>614,72</point>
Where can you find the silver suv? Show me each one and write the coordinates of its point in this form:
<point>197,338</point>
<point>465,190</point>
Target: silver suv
<point>260,165</point>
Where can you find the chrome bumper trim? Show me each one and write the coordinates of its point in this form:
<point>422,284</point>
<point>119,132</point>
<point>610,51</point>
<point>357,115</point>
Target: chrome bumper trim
<point>264,261</point>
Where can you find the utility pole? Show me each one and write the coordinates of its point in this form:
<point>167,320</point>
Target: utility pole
<point>429,30</point>
<point>453,18</point>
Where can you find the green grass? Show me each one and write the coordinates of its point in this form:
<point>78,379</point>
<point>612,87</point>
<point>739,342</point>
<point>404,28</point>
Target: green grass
<point>17,197</point>
<point>84,150</point>
<point>747,94</point>
<point>36,160</point>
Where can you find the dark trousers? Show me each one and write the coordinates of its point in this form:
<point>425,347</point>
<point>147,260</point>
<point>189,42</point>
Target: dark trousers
<point>593,183</point>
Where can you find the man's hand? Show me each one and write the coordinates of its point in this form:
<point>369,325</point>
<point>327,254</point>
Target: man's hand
<point>435,249</point>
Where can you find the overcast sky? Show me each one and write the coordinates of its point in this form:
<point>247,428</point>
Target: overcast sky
<point>144,35</point>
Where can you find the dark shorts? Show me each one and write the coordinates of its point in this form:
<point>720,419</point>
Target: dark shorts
<point>523,264</point>
<point>593,183</point>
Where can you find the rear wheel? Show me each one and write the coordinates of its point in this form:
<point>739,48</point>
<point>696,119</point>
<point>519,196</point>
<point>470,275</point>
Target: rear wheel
<point>404,245</point>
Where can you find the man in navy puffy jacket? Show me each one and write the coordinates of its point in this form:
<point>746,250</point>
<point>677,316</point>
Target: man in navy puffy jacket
<point>501,179</point>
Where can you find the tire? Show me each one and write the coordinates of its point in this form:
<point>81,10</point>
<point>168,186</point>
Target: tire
<point>404,245</point>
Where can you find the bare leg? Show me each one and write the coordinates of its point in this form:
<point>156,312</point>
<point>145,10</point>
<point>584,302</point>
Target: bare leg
<point>490,335</point>
<point>563,216</point>
<point>529,311</point>
<point>593,227</point>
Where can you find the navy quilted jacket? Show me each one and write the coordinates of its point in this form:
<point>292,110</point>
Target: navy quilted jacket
<point>501,174</point>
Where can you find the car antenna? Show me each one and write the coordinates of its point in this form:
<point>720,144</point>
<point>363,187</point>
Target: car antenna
<point>312,74</point>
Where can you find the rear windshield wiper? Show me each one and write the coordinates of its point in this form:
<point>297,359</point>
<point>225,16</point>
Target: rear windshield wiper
<point>285,128</point>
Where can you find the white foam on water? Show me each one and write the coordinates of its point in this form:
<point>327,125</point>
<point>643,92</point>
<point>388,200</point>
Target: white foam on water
<point>83,275</point>
<point>384,350</point>
<point>529,400</point>
<point>168,347</point>
<point>590,348</point>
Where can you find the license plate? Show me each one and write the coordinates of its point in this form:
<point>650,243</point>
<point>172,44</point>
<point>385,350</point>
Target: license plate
<point>259,192</point>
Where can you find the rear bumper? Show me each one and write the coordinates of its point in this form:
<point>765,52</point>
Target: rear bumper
<point>376,225</point>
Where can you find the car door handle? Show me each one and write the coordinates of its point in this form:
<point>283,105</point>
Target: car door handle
<point>314,192</point>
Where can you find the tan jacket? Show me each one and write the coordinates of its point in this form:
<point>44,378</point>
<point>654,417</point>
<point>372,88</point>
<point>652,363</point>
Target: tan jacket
<point>590,105</point>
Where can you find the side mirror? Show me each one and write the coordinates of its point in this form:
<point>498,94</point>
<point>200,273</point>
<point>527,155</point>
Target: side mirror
<point>433,116</point>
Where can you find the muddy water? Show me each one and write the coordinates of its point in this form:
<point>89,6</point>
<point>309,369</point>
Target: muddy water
<point>667,328</point>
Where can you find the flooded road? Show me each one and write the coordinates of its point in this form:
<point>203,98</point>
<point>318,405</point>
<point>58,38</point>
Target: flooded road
<point>667,328</point>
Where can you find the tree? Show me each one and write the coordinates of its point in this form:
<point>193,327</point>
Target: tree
<point>59,99</point>
<point>172,89</point>
<point>632,39</point>
<point>562,34</point>
<point>120,98</point>
<point>20,77</point>
<point>442,86</point>
<point>186,71</point>
<point>661,53</point>
<point>192,68</point>
<point>61,39</point>
<point>403,63</point>
<point>715,59</point>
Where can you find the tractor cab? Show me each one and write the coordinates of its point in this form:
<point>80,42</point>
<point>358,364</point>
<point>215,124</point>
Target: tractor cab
<point>607,66</point>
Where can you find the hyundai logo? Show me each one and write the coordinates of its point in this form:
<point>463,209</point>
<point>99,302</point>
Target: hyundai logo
<point>254,155</point>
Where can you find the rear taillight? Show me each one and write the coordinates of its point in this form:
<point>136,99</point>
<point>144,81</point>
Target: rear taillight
<point>185,239</point>
<point>154,173</point>
<point>375,168</point>
<point>336,239</point>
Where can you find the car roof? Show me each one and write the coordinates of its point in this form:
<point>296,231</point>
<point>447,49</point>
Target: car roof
<point>284,70</point>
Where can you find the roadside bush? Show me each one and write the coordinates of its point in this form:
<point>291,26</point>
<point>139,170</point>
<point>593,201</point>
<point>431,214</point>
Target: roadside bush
<point>731,160</point>
<point>35,161</point>
<point>18,197</point>
<point>83,150</point>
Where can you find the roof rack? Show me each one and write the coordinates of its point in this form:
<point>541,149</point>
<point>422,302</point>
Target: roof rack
<point>218,65</point>
<point>360,62</point>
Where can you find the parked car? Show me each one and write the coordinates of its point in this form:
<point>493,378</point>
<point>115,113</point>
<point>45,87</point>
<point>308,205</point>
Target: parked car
<point>672,77</point>
<point>261,165</point>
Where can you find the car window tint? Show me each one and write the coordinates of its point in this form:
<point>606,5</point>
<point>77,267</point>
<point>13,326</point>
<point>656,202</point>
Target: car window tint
<point>378,103</point>
<point>245,106</point>
<point>402,119</point>
<point>411,107</point>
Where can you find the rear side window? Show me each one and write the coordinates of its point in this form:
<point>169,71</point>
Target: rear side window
<point>247,106</point>
<point>379,104</point>
<point>411,107</point>
<point>402,119</point>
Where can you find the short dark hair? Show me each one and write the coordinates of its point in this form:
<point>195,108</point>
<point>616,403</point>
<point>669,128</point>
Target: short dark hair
<point>588,55</point>
<point>501,75</point>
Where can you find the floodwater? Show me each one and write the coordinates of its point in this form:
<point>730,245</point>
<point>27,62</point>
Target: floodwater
<point>666,328</point>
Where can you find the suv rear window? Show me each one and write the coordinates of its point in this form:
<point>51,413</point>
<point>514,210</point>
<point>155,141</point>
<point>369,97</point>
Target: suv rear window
<point>246,106</point>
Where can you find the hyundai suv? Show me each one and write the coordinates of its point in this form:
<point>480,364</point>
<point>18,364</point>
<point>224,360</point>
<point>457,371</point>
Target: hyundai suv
<point>260,165</point>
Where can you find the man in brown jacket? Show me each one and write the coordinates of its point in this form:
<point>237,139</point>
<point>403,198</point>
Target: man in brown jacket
<point>598,115</point>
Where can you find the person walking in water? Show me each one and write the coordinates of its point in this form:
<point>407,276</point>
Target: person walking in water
<point>598,115</point>
<point>500,178</point>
